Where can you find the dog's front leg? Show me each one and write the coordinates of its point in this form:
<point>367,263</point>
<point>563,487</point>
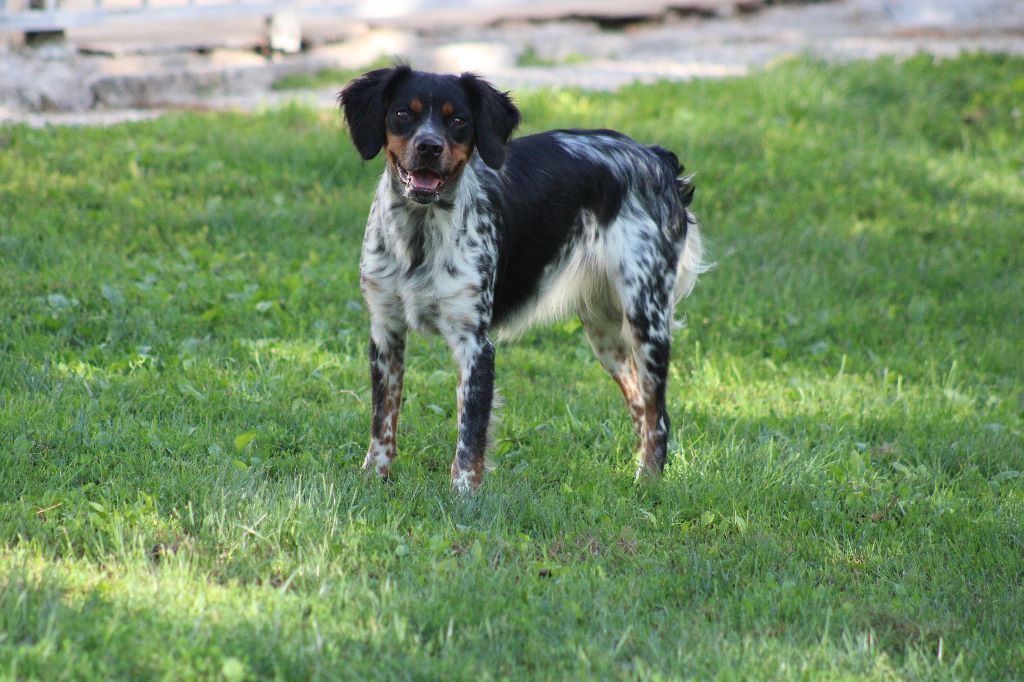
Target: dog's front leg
<point>387,367</point>
<point>475,356</point>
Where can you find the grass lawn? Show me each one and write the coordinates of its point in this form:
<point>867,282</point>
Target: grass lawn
<point>184,408</point>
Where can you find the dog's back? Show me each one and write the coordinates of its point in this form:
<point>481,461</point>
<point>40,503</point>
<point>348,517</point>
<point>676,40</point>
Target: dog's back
<point>580,211</point>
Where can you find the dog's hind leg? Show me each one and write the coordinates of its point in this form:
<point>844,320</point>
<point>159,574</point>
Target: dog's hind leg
<point>644,280</point>
<point>604,326</point>
<point>650,322</point>
<point>651,356</point>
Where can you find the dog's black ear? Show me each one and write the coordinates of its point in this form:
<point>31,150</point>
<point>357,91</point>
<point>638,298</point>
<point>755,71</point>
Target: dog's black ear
<point>495,118</point>
<point>364,102</point>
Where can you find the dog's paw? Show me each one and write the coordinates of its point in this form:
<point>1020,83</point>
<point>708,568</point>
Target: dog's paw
<point>377,462</point>
<point>465,481</point>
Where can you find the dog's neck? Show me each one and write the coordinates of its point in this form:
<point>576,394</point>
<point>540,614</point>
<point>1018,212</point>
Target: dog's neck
<point>420,232</point>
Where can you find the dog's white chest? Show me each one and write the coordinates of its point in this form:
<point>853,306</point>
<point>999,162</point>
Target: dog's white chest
<point>442,295</point>
<point>432,267</point>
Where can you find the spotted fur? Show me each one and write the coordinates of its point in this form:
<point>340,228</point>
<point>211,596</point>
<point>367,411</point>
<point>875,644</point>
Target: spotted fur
<point>472,236</point>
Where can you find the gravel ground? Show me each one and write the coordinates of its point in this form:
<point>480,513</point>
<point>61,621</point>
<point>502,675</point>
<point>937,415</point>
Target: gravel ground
<point>116,80</point>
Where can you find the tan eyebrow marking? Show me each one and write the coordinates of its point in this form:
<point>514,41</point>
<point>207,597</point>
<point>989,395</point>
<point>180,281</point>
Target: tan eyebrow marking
<point>448,109</point>
<point>416,106</point>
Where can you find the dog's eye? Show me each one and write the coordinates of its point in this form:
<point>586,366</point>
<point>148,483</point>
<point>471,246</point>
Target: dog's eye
<point>456,121</point>
<point>402,114</point>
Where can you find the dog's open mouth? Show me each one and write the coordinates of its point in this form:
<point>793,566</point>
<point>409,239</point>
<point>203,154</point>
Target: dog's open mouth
<point>421,181</point>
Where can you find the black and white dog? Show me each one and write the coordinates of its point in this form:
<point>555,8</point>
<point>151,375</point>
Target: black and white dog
<point>471,235</point>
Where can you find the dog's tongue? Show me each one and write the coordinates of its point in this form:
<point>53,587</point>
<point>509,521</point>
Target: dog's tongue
<point>425,180</point>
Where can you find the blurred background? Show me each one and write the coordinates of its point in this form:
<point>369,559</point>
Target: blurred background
<point>96,60</point>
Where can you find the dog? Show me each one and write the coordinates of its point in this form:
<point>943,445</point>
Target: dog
<point>472,235</point>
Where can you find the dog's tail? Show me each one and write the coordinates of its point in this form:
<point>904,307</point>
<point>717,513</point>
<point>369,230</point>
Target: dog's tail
<point>684,182</point>
<point>691,259</point>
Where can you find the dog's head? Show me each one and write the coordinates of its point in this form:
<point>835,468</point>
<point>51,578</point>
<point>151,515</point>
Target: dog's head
<point>429,125</point>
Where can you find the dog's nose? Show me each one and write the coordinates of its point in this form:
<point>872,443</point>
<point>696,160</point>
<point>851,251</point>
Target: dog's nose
<point>429,146</point>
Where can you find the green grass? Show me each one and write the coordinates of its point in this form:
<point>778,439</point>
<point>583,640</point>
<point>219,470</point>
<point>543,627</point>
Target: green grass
<point>184,408</point>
